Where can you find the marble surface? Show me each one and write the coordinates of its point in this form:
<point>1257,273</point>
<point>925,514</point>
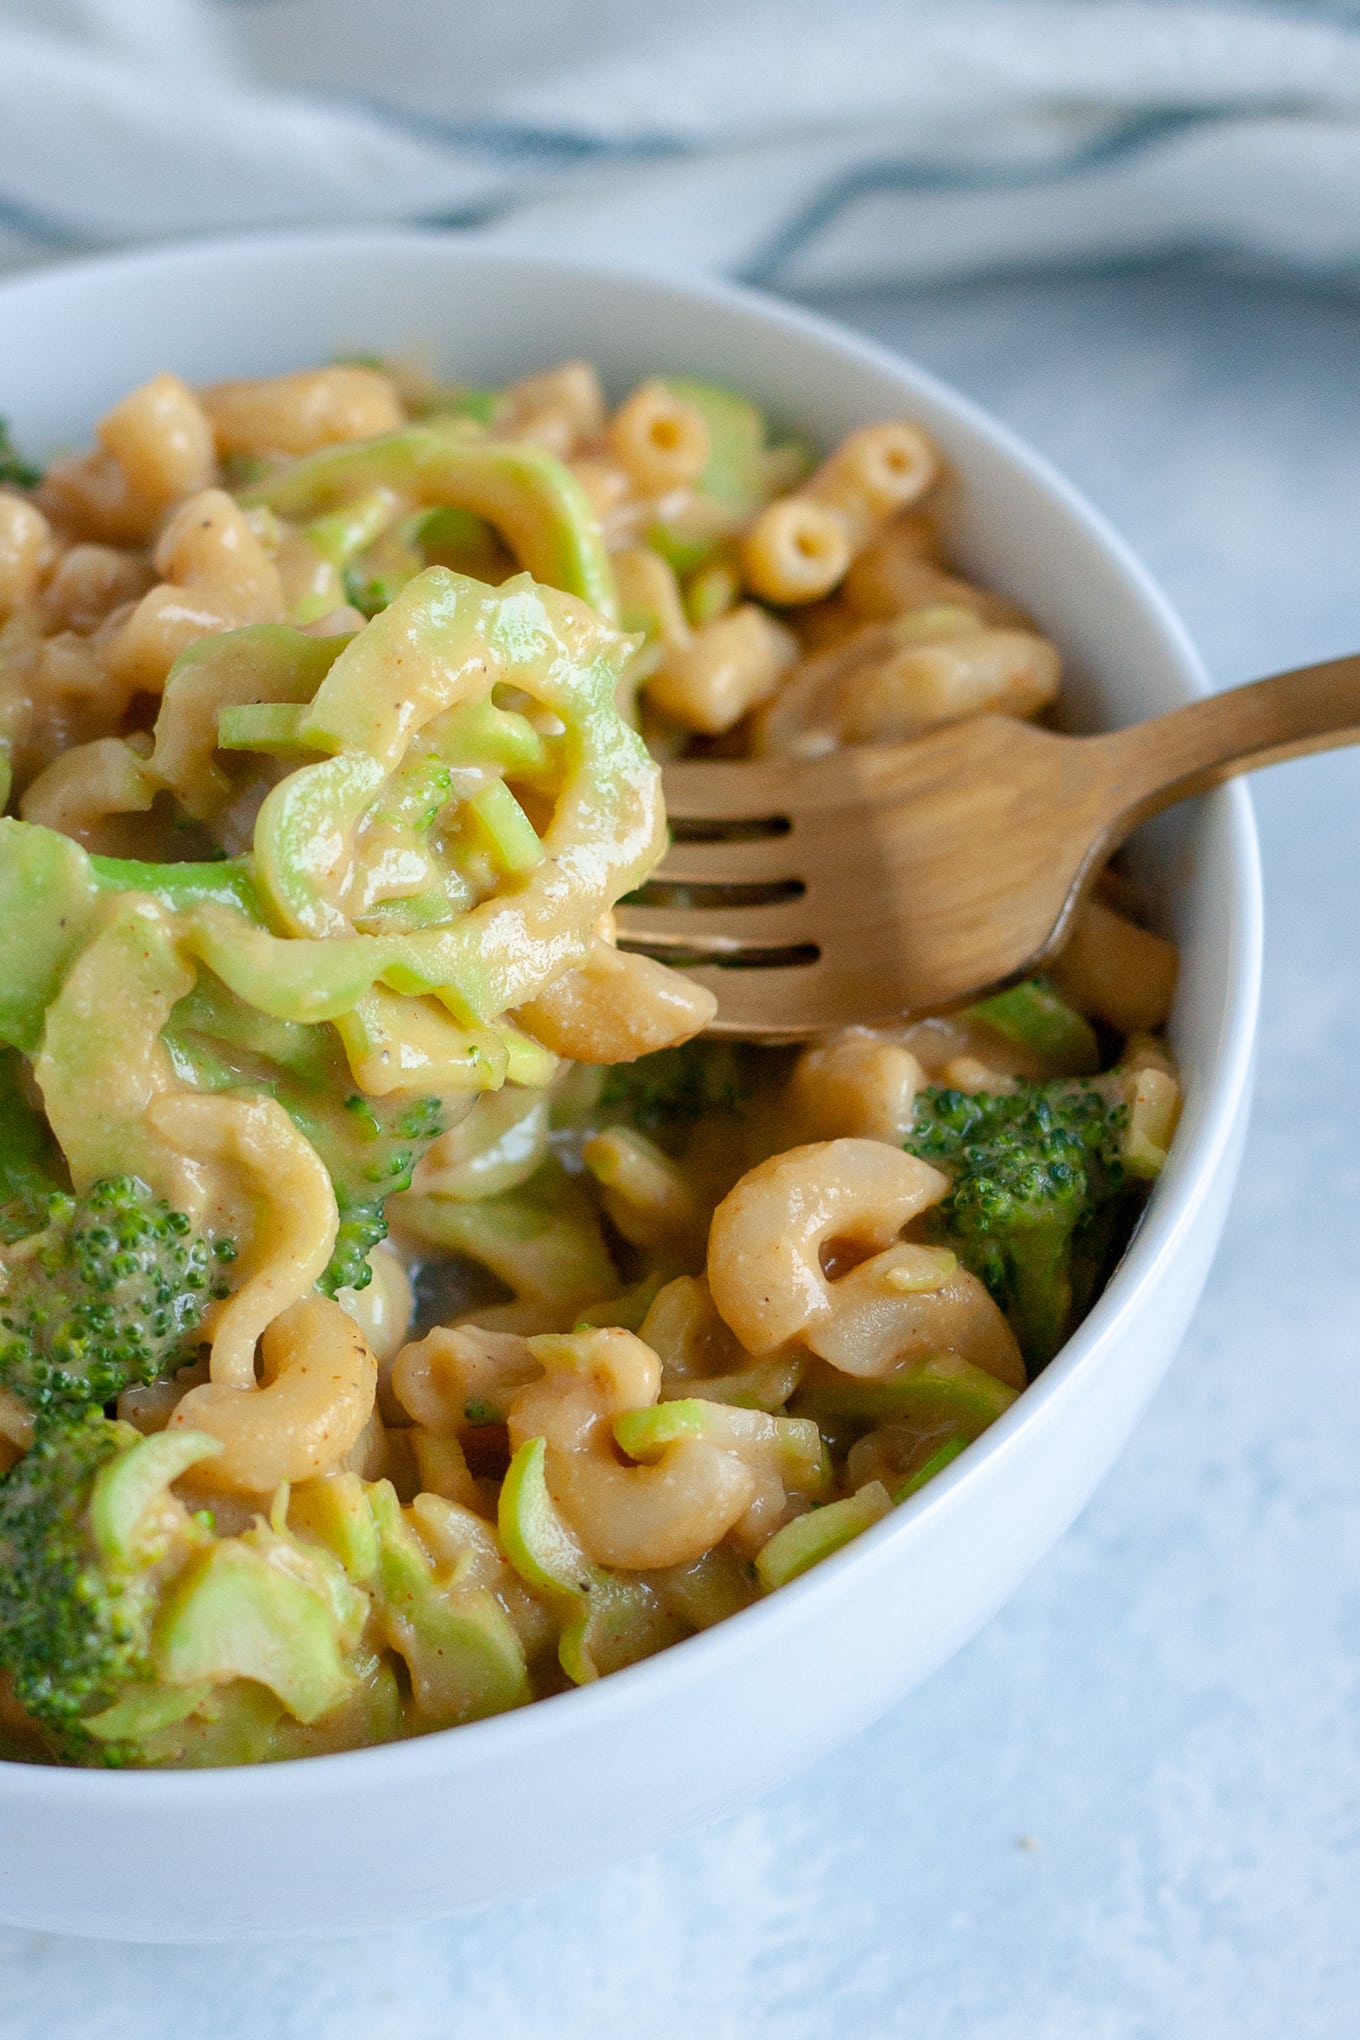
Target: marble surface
<point>1131,1809</point>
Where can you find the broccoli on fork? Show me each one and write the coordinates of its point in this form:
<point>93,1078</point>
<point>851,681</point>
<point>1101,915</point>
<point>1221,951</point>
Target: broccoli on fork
<point>1037,1183</point>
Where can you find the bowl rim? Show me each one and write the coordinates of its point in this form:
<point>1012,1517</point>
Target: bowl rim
<point>1167,1218</point>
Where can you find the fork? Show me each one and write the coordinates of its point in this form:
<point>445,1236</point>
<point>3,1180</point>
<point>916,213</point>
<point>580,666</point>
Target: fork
<point>891,880</point>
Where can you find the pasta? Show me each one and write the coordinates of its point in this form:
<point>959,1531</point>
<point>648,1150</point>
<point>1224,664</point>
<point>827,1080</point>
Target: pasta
<point>857,1085</point>
<point>887,682</point>
<point>726,669</point>
<point>409,1313</point>
<point>800,546</point>
<point>299,413</point>
<point>315,1394</point>
<point>25,552</point>
<point>563,409</point>
<point>659,440</point>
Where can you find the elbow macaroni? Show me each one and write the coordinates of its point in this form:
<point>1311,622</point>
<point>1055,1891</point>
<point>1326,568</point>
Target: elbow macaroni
<point>315,1395</point>
<point>765,1248</point>
<point>886,683</point>
<point>727,668</point>
<point>636,1516</point>
<point>563,409</point>
<point>297,414</point>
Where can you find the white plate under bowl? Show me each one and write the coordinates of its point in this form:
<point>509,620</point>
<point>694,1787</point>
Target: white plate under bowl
<point>502,1807</point>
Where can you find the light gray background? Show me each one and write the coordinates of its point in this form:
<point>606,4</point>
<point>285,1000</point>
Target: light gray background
<point>1131,1809</point>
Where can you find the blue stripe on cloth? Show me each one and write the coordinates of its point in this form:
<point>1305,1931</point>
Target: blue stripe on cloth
<point>511,142</point>
<point>465,219</point>
<point>43,227</point>
<point>507,139</point>
<point>1138,136</point>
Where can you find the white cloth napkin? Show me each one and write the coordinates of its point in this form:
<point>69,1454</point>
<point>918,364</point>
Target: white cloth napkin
<point>803,143</point>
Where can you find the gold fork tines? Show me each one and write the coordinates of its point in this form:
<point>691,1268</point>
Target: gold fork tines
<point>903,879</point>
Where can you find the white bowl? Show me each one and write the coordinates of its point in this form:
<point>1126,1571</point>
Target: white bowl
<point>421,1828</point>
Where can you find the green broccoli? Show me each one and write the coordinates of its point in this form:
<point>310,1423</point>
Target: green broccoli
<point>15,471</point>
<point>132,1634</point>
<point>369,1146</point>
<point>30,1166</point>
<point>370,1151</point>
<point>663,1093</point>
<point>75,1615</point>
<point>1038,1186</point>
<point>109,1294</point>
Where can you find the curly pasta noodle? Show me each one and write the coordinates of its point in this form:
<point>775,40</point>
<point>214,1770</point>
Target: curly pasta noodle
<point>82,789</point>
<point>250,1150</point>
<point>315,1394</point>
<point>656,1515</point>
<point>615,1007</point>
<point>764,1250</point>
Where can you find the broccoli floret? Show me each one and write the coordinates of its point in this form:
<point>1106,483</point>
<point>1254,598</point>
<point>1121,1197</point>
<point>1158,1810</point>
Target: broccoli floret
<point>665,1092</point>
<point>370,1151</point>
<point>14,469</point>
<point>72,1633</point>
<point>130,1632</point>
<point>1037,1188</point>
<point>109,1294</point>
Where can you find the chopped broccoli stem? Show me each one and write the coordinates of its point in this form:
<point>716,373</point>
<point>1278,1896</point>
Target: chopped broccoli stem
<point>1038,1186</point>
<point>1039,1018</point>
<point>108,1294</point>
<point>461,400</point>
<point>927,1470</point>
<point>367,592</point>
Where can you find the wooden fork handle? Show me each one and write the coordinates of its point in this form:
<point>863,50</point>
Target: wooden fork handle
<point>1152,764</point>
